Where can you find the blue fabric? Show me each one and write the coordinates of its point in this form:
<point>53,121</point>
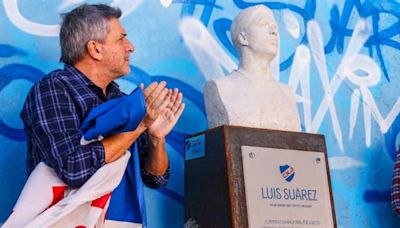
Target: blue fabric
<point>125,205</point>
<point>115,116</point>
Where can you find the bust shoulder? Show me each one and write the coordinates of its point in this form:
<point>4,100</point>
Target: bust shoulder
<point>215,108</point>
<point>221,85</point>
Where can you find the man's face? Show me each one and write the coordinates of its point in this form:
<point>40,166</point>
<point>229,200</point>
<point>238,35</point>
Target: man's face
<point>263,35</point>
<point>116,50</point>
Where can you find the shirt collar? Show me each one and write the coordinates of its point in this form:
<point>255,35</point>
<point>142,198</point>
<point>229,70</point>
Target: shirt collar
<point>112,88</point>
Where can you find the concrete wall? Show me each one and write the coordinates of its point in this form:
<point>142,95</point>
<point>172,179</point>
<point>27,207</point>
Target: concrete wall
<point>341,56</point>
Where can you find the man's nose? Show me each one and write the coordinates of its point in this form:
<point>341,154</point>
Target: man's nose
<point>130,46</point>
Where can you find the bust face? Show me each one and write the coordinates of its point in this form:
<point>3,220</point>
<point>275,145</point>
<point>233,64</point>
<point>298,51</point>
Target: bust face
<point>255,30</point>
<point>263,34</point>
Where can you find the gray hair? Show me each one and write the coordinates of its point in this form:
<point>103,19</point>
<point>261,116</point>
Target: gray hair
<point>82,24</point>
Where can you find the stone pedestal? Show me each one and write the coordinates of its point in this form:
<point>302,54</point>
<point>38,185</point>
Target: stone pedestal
<point>215,194</point>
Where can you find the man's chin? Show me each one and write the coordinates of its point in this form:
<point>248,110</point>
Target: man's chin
<point>126,71</point>
<point>122,74</point>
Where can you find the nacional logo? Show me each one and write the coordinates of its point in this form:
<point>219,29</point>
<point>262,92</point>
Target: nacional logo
<point>287,172</point>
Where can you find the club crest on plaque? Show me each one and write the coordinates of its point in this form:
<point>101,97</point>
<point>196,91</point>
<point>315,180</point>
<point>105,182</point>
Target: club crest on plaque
<point>287,172</point>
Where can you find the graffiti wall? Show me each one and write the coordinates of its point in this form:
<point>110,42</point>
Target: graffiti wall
<point>342,57</point>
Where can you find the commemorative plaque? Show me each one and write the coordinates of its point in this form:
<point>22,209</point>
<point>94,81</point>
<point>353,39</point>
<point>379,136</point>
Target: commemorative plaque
<point>250,177</point>
<point>286,188</point>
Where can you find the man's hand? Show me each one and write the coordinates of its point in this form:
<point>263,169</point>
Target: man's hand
<point>166,107</point>
<point>169,116</point>
<point>156,97</point>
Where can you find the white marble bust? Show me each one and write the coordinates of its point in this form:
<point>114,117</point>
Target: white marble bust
<point>250,96</point>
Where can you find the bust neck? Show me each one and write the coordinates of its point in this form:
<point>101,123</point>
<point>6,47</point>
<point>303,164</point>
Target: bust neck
<point>255,67</point>
<point>256,72</point>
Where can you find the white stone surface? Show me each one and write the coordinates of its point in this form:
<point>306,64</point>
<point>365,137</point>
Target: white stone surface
<point>250,96</point>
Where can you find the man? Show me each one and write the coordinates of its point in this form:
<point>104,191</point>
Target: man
<point>250,96</point>
<point>95,50</point>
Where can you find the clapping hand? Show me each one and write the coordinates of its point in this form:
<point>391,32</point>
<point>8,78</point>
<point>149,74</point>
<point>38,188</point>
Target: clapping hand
<point>154,95</point>
<point>164,109</point>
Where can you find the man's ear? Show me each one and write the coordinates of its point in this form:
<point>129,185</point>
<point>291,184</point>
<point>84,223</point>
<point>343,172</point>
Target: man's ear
<point>243,39</point>
<point>94,50</point>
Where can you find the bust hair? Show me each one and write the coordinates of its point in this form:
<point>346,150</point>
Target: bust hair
<point>82,24</point>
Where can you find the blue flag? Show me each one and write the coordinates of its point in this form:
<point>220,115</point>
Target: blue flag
<point>115,116</point>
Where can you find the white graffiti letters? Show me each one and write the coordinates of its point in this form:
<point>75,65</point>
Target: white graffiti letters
<point>360,70</point>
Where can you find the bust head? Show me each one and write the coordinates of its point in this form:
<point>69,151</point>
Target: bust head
<point>255,30</point>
